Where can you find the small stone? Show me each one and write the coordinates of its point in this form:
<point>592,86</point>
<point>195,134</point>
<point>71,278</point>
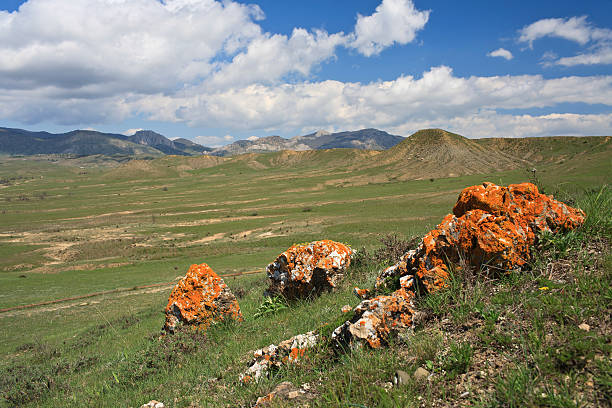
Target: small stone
<point>346,308</point>
<point>584,327</point>
<point>420,374</point>
<point>287,352</point>
<point>401,378</point>
<point>153,404</point>
<point>284,391</point>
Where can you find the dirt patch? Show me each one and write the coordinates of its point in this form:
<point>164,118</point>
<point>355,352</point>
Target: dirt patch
<point>204,240</point>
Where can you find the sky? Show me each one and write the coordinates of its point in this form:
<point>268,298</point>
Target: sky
<point>219,71</point>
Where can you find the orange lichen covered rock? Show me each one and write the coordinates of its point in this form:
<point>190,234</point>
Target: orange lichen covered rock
<point>376,319</point>
<point>200,298</point>
<point>491,227</point>
<point>308,268</point>
<point>272,356</point>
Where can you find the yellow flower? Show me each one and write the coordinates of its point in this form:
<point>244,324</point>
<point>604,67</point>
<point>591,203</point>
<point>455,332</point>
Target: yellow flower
<point>544,288</point>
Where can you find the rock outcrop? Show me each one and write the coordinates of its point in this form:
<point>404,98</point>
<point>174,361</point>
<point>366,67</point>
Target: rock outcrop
<point>200,298</point>
<point>492,228</point>
<point>287,352</point>
<point>306,269</point>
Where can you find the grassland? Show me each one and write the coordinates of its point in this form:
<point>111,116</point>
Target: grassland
<point>72,228</point>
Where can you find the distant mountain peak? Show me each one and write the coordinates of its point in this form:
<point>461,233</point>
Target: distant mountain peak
<point>322,132</point>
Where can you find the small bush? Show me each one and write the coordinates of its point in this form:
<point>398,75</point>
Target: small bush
<point>458,359</point>
<point>270,306</point>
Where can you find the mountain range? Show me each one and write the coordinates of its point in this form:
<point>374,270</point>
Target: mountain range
<point>365,139</point>
<point>144,143</point>
<point>147,143</point>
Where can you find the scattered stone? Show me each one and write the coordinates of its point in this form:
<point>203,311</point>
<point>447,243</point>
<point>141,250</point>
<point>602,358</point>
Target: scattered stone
<point>285,391</point>
<point>346,308</point>
<point>310,268</point>
<point>401,378</point>
<point>200,298</point>
<point>584,327</point>
<point>153,404</point>
<point>421,374</point>
<point>288,351</point>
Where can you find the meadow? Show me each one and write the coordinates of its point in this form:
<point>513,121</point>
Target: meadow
<point>70,227</point>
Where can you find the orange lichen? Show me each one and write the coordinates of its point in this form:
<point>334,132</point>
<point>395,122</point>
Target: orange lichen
<point>200,298</point>
<point>308,268</point>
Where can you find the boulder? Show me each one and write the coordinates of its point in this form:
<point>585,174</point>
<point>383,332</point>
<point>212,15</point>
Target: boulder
<point>287,352</point>
<point>306,269</point>
<point>200,298</point>
<point>492,228</point>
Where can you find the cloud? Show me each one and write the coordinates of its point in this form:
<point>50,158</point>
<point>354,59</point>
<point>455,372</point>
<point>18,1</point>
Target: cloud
<point>252,138</point>
<point>130,132</point>
<point>394,21</point>
<point>501,52</point>
<point>101,47</point>
<point>213,141</point>
<point>602,55</point>
<point>435,99</point>
<point>270,57</point>
<point>576,29</point>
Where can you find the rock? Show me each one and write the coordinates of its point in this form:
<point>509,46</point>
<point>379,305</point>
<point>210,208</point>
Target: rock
<point>420,374</point>
<point>375,319</point>
<point>310,268</point>
<point>200,298</point>
<point>584,326</point>
<point>287,352</point>
<point>492,228</point>
<point>284,391</point>
<point>401,378</point>
<point>153,404</point>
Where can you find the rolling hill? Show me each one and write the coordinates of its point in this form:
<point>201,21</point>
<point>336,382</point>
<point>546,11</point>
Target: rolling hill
<point>428,153</point>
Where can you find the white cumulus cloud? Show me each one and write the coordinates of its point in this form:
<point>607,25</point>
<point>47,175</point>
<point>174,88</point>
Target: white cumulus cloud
<point>502,53</point>
<point>577,29</point>
<point>394,21</point>
<point>437,98</point>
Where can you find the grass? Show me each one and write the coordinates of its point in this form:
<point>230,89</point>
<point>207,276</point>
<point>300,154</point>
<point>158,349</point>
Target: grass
<point>505,341</point>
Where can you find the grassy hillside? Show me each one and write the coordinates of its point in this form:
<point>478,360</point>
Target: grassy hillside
<point>79,230</point>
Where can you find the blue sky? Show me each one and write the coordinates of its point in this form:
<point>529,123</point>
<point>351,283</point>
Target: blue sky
<point>217,72</point>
